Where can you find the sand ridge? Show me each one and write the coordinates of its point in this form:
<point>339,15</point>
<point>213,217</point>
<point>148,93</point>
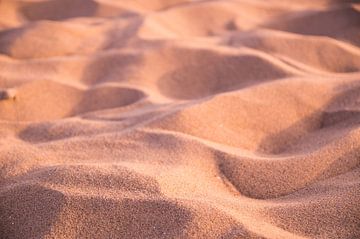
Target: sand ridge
<point>179,119</point>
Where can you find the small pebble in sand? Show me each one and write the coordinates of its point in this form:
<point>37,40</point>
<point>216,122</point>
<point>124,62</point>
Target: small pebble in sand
<point>6,94</point>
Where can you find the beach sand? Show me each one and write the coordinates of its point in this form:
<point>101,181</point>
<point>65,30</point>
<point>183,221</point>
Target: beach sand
<point>179,119</point>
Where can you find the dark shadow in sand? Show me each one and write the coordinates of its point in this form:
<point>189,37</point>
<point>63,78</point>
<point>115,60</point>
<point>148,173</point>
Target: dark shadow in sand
<point>29,211</point>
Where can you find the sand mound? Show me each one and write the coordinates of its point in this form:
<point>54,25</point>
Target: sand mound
<point>206,18</point>
<point>63,101</point>
<point>337,22</point>
<point>49,39</point>
<point>319,52</point>
<point>244,121</point>
<point>64,9</point>
<point>214,72</point>
<point>179,119</point>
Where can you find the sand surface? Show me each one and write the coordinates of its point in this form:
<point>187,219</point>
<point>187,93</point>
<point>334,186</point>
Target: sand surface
<point>179,119</point>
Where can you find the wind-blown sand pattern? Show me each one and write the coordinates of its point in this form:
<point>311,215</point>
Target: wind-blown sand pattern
<point>179,119</point>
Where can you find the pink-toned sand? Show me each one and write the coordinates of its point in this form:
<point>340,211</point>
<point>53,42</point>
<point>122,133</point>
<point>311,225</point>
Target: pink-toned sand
<point>179,119</point>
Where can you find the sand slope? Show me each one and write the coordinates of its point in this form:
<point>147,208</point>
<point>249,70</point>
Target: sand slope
<point>180,119</point>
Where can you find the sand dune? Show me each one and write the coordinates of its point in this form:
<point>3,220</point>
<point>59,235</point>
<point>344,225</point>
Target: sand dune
<point>179,119</point>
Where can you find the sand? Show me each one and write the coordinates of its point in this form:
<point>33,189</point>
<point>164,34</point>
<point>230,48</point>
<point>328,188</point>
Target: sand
<point>179,119</point>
